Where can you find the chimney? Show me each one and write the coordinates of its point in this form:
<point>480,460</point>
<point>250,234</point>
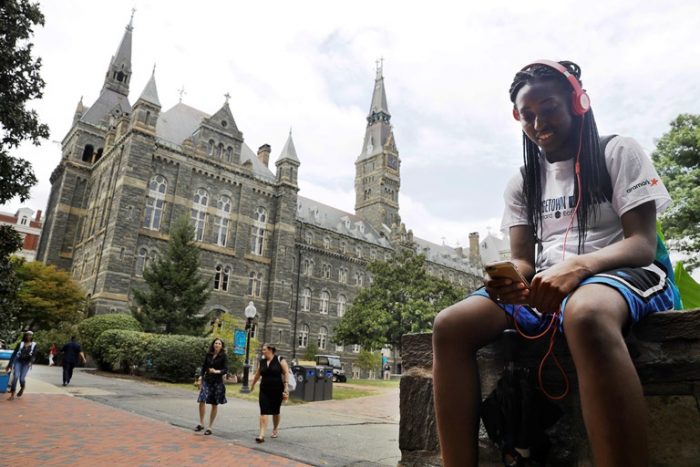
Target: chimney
<point>38,215</point>
<point>460,251</point>
<point>264,154</point>
<point>474,254</point>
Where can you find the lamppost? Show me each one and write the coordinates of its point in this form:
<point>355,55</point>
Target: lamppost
<point>250,313</point>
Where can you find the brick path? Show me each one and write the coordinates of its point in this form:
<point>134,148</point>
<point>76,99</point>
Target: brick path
<point>54,429</point>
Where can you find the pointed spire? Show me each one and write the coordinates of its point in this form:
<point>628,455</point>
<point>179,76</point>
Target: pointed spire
<point>80,108</point>
<point>379,104</point>
<point>119,71</point>
<point>289,152</point>
<point>378,120</point>
<point>150,92</point>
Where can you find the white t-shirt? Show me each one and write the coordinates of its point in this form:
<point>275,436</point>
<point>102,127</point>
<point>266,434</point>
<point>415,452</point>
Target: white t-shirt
<point>634,182</point>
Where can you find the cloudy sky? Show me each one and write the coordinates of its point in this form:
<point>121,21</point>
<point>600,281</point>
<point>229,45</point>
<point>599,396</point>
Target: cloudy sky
<point>309,65</point>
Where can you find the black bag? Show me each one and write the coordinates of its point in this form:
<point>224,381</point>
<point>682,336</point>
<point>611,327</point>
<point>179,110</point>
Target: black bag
<point>25,353</point>
<point>517,413</point>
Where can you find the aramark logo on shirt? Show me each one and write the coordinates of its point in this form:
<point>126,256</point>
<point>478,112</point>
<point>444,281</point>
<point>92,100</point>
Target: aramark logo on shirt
<point>652,182</point>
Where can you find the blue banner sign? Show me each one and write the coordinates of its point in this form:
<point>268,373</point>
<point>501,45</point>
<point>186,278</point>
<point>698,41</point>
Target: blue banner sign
<point>239,340</point>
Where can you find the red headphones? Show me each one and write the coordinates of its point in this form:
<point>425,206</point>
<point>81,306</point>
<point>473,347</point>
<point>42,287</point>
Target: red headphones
<point>580,102</point>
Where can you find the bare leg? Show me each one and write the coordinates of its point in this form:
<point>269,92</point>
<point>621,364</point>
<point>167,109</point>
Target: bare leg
<point>212,415</point>
<point>263,425</point>
<point>612,401</point>
<point>459,331</point>
<point>202,411</point>
<point>275,424</point>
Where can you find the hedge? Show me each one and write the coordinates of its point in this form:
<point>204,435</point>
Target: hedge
<point>164,356</point>
<point>176,358</point>
<point>122,350</point>
<point>91,328</point>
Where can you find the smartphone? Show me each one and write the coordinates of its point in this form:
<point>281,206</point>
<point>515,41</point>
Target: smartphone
<point>507,270</point>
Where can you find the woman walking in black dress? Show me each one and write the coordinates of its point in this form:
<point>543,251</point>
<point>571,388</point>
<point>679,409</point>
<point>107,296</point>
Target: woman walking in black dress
<point>273,389</point>
<point>213,390</point>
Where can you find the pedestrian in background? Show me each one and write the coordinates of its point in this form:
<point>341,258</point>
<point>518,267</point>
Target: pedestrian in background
<point>52,354</point>
<point>273,371</point>
<point>72,354</point>
<point>211,381</point>
<point>20,363</point>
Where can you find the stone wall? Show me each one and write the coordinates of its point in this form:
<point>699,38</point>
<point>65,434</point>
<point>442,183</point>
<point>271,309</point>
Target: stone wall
<point>666,351</point>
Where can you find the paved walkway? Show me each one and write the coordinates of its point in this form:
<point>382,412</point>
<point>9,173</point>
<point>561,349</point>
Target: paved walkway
<point>54,428</point>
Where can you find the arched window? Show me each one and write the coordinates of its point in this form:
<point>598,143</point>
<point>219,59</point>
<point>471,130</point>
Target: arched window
<point>229,154</point>
<point>303,336</point>
<point>358,251</point>
<point>200,201</point>
<point>343,247</point>
<point>325,300</point>
<point>210,147</point>
<point>322,338</point>
<point>141,260</point>
<point>307,267</point>
<point>342,303</point>
<point>343,275</point>
<point>327,243</point>
<point>155,202</point>
<point>226,278</point>
<point>217,277</point>
<point>306,299</point>
<point>255,284</point>
<point>309,238</point>
<point>326,271</point>
<point>221,220</point>
<point>88,152</point>
<point>358,279</point>
<point>257,231</point>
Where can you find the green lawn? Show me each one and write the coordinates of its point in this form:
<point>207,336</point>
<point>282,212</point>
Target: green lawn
<point>391,383</point>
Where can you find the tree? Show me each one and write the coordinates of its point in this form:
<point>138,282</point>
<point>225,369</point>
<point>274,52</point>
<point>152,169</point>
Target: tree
<point>175,290</point>
<point>19,83</point>
<point>47,296</point>
<point>369,361</point>
<point>311,351</point>
<point>677,158</point>
<point>402,298</point>
<point>10,242</point>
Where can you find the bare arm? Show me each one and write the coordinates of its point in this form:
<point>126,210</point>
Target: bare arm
<point>285,374</point>
<point>255,379</point>
<point>637,249</point>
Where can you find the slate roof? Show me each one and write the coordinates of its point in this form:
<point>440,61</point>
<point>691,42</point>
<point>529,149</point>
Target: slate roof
<point>98,113</point>
<point>445,255</point>
<point>336,220</point>
<point>180,122</point>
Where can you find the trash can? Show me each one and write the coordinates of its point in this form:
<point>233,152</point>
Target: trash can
<point>319,382</point>
<point>298,392</point>
<point>306,382</point>
<point>5,356</point>
<point>328,384</point>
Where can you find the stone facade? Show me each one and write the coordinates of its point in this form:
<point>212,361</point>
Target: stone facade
<point>127,171</point>
<point>665,348</point>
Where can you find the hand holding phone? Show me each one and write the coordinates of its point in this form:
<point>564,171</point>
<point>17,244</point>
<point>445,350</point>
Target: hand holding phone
<point>506,283</point>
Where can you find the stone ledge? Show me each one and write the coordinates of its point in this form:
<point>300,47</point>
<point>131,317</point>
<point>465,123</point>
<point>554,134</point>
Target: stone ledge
<point>665,348</point>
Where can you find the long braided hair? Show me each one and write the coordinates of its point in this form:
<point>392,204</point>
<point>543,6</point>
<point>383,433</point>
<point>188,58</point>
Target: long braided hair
<point>594,173</point>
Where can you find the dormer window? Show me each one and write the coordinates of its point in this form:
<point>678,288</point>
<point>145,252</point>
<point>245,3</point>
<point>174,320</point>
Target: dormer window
<point>24,220</point>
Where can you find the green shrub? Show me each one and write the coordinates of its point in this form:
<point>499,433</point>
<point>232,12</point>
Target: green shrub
<point>91,328</point>
<point>176,358</point>
<point>122,350</point>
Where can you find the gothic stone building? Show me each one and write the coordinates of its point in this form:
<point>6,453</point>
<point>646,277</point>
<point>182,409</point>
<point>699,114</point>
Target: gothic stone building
<point>128,170</point>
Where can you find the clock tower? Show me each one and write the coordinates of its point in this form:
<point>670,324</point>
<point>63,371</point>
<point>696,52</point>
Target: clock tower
<point>378,167</point>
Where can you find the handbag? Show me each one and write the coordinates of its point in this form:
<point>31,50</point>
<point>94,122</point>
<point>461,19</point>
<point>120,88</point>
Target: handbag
<point>291,380</point>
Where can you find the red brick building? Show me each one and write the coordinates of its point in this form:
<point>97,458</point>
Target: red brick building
<point>28,226</point>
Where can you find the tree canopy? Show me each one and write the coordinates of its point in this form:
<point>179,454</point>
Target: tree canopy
<point>401,299</point>
<point>47,296</point>
<point>175,290</point>
<point>19,82</point>
<point>677,159</point>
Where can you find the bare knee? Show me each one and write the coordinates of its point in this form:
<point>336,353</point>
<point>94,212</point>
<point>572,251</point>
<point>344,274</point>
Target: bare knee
<point>593,324</point>
<point>468,325</point>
